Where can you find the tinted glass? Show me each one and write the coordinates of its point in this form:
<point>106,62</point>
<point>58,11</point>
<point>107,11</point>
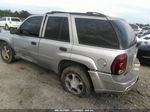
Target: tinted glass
<point>15,19</point>
<point>57,29</point>
<point>4,19</point>
<point>125,32</point>
<point>32,26</point>
<point>96,33</point>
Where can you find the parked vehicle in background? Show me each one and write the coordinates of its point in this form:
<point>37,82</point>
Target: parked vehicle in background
<point>89,51</point>
<point>10,22</point>
<point>146,28</point>
<point>136,28</point>
<point>143,39</point>
<point>144,50</point>
<point>143,33</point>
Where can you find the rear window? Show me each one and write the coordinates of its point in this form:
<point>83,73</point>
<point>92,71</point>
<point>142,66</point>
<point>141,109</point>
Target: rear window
<point>125,32</point>
<point>96,32</point>
<point>15,19</point>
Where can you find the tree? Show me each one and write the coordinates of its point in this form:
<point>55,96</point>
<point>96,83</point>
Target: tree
<point>24,14</point>
<point>21,14</point>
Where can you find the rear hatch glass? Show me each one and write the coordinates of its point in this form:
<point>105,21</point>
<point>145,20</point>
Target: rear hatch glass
<point>125,33</point>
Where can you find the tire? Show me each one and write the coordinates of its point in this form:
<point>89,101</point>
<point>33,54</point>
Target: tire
<point>7,53</point>
<point>6,27</point>
<point>75,80</point>
<point>139,56</point>
<point>141,59</point>
<point>144,61</point>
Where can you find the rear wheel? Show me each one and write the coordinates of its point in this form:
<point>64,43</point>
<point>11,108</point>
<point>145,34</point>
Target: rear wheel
<point>76,81</point>
<point>7,53</point>
<point>141,59</point>
<point>6,27</point>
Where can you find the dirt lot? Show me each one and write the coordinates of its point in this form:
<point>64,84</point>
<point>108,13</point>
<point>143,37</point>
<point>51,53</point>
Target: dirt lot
<point>25,85</point>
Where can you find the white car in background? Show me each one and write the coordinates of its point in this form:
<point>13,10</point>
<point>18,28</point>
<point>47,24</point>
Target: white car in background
<point>136,28</point>
<point>10,22</point>
<point>145,40</point>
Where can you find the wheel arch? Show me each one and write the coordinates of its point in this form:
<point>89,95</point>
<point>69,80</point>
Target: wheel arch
<point>4,41</point>
<point>66,63</point>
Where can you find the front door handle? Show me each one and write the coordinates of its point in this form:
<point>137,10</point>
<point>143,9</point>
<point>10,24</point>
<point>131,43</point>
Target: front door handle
<point>63,49</point>
<point>33,43</point>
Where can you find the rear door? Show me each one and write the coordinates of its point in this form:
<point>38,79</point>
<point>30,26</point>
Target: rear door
<point>56,41</point>
<point>26,43</point>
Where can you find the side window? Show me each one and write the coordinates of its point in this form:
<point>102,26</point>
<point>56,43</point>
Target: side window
<point>57,29</point>
<point>31,27</point>
<point>3,19</point>
<point>96,32</point>
<point>147,38</point>
<point>8,19</point>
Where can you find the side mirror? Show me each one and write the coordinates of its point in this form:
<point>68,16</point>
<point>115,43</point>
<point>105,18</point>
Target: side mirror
<point>14,31</point>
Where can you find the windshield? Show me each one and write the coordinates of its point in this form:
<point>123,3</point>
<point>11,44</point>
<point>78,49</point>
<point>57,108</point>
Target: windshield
<point>15,19</point>
<point>125,33</point>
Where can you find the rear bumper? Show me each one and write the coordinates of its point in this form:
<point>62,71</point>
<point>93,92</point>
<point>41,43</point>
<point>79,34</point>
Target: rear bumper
<point>104,82</point>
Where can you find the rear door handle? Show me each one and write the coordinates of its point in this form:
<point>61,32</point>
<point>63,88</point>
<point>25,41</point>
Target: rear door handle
<point>33,43</point>
<point>63,49</point>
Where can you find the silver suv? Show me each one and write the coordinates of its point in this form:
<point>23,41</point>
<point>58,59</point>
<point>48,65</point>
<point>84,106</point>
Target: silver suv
<point>89,51</point>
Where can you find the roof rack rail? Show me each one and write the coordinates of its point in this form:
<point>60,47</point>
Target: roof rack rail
<point>78,13</point>
<point>95,13</point>
<point>52,12</point>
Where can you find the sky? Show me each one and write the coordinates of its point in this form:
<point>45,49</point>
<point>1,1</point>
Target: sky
<point>134,11</point>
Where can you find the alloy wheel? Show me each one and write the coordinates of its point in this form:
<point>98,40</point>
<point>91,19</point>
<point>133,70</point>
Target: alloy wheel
<point>74,83</point>
<point>5,52</point>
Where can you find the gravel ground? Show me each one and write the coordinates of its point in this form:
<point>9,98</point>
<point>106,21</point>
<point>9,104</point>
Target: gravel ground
<point>25,85</point>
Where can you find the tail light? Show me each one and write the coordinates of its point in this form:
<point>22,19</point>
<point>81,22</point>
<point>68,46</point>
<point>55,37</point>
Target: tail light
<point>119,65</point>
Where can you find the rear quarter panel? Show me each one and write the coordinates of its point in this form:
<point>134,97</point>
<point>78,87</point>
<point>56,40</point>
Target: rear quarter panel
<point>102,57</point>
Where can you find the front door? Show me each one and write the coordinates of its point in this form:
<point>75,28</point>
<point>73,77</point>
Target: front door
<point>27,41</point>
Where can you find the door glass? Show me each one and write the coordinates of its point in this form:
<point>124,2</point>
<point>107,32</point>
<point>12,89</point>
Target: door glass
<point>57,29</point>
<point>31,27</point>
